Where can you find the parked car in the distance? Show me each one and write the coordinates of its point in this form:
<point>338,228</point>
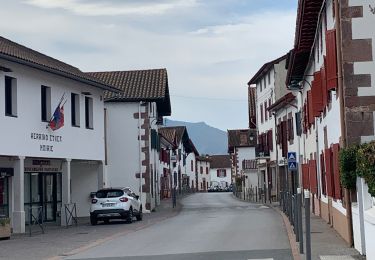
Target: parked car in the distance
<point>115,203</point>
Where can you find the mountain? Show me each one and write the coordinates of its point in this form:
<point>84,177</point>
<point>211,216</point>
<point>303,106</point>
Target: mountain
<point>207,139</point>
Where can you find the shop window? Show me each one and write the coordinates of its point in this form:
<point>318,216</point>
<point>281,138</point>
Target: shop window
<point>89,113</point>
<point>45,93</point>
<point>75,109</point>
<point>10,96</point>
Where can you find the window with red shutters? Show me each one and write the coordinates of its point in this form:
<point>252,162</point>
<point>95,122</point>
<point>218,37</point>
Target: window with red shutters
<point>324,83</point>
<point>310,108</point>
<point>317,94</point>
<point>305,176</point>
<point>261,113</point>
<point>336,171</point>
<point>313,179</point>
<point>331,68</point>
<point>323,174</point>
<point>329,176</point>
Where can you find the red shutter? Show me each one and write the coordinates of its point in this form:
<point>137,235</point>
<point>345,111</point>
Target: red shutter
<point>270,141</point>
<point>284,139</point>
<point>336,171</point>
<point>322,174</point>
<point>331,60</point>
<point>317,94</point>
<point>313,179</point>
<point>305,176</point>
<point>324,83</point>
<point>310,110</point>
<point>328,161</point>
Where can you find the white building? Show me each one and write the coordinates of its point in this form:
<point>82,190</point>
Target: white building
<point>41,168</point>
<point>220,171</point>
<point>182,148</point>
<point>203,169</point>
<point>242,149</point>
<point>133,116</point>
<point>269,83</point>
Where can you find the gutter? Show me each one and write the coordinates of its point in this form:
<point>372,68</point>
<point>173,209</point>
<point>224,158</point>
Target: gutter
<point>57,72</point>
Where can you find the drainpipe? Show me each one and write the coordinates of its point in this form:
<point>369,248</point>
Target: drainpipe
<point>140,152</point>
<point>342,111</point>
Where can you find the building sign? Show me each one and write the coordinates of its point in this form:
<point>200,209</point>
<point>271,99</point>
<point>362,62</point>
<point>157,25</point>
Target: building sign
<point>48,141</point>
<point>42,166</point>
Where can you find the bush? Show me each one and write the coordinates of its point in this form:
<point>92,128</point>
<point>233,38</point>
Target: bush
<point>348,167</point>
<point>366,165</point>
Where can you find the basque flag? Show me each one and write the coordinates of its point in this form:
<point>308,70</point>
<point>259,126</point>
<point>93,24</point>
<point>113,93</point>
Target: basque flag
<point>57,120</point>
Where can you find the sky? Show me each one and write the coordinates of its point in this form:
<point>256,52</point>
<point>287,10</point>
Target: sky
<point>211,48</point>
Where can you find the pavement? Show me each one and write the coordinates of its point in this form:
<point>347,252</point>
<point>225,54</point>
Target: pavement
<point>210,226</point>
<point>326,243</point>
<point>59,242</point>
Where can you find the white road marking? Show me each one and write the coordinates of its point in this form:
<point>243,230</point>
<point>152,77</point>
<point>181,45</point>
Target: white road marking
<point>336,257</point>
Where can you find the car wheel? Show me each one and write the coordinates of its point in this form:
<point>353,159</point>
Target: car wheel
<point>93,220</point>
<point>140,214</point>
<point>129,218</point>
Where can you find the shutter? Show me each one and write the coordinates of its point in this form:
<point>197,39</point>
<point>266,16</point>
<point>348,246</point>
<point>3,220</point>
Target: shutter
<point>329,179</point>
<point>261,113</point>
<point>310,109</point>
<point>225,173</point>
<point>313,179</point>
<point>316,94</point>
<point>218,173</point>
<point>291,129</point>
<point>305,176</point>
<point>269,104</point>
<point>270,140</point>
<point>336,171</point>
<point>324,83</point>
<point>331,59</point>
<point>322,174</point>
<point>304,118</point>
<point>284,144</point>
<point>298,123</point>
<point>265,110</point>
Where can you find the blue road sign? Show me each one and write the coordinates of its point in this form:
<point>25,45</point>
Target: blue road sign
<point>292,157</point>
<point>292,165</point>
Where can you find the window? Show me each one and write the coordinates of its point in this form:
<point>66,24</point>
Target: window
<point>206,170</point>
<point>261,113</point>
<point>221,173</point>
<point>201,169</point>
<point>269,78</point>
<point>10,96</point>
<point>45,93</point>
<point>269,104</point>
<point>75,111</point>
<point>260,85</point>
<point>192,165</point>
<point>89,113</point>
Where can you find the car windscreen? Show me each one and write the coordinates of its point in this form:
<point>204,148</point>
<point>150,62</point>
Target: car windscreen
<point>109,193</point>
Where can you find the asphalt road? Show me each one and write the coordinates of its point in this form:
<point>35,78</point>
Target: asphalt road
<point>213,226</point>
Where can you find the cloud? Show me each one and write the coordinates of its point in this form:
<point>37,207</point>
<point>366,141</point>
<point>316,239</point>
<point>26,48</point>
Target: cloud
<point>96,8</point>
<point>209,59</point>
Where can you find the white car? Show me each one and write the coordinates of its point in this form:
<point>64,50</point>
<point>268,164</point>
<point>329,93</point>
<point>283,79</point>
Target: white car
<point>115,203</point>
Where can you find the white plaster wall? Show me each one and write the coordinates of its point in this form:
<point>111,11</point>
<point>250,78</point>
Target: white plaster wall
<point>84,179</point>
<point>363,28</point>
<point>77,142</point>
<point>222,180</point>
<point>123,145</point>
